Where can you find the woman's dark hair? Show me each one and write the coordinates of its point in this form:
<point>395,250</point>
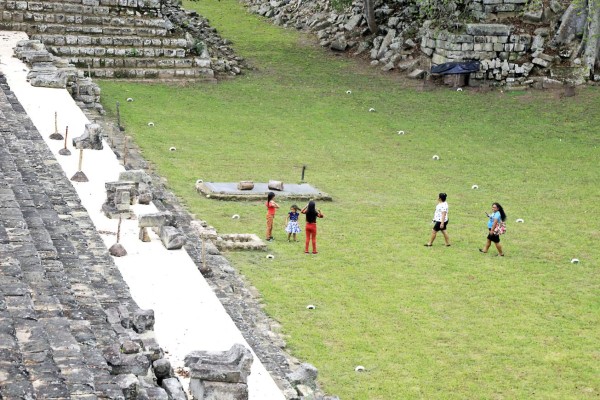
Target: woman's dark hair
<point>270,196</point>
<point>311,211</point>
<point>501,211</point>
<point>443,196</point>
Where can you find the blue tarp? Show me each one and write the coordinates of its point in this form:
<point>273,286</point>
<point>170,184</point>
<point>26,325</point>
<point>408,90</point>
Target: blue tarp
<point>465,67</point>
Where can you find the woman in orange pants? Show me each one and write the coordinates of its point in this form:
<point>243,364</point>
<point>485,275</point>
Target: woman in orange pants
<point>312,213</point>
<point>271,208</point>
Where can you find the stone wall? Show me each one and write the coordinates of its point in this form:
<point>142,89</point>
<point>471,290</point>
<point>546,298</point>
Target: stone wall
<point>121,38</point>
<point>515,52</point>
<point>506,56</point>
<point>498,8</point>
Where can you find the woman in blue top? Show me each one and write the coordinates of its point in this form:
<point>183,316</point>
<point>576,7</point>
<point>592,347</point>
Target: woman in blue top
<point>498,215</point>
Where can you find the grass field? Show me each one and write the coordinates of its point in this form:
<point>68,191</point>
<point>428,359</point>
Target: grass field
<point>426,323</point>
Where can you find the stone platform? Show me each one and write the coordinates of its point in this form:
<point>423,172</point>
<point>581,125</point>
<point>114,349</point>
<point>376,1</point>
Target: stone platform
<point>229,191</point>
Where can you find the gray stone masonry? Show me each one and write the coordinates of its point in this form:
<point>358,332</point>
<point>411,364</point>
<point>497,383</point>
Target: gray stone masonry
<point>50,71</point>
<point>90,139</point>
<point>220,375</point>
<point>141,39</point>
<point>120,196</point>
<point>67,318</point>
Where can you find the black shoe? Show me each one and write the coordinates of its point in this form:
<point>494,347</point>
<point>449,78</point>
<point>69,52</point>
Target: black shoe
<point>481,251</point>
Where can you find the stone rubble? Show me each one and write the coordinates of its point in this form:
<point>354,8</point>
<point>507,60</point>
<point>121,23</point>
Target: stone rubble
<point>68,325</point>
<point>220,375</point>
<point>50,71</point>
<point>491,37</point>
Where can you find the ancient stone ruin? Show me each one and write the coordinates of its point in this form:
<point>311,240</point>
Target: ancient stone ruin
<point>124,39</point>
<point>220,375</point>
<point>163,224</point>
<point>90,139</point>
<point>517,43</point>
<point>69,326</point>
<point>50,71</point>
<point>120,195</point>
<point>240,241</point>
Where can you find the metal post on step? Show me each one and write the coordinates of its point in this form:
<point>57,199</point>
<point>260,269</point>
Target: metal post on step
<point>125,152</point>
<point>56,135</point>
<point>119,230</point>
<point>64,151</point>
<point>119,116</point>
<point>79,175</point>
<point>203,250</point>
<point>117,249</point>
<point>303,170</point>
<point>204,270</point>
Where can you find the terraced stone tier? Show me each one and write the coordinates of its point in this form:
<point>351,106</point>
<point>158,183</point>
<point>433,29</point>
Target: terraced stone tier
<point>65,310</point>
<point>118,39</point>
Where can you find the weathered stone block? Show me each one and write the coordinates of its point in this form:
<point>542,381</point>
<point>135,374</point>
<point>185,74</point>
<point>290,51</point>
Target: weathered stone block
<point>172,238</point>
<point>488,29</point>
<point>542,63</point>
<point>173,388</point>
<point>136,175</point>
<point>306,374</point>
<point>155,220</point>
<point>90,139</point>
<point>143,320</point>
<point>128,383</point>
<point>206,390</point>
<point>136,364</point>
<point>162,369</point>
<point>533,15</point>
<point>232,366</point>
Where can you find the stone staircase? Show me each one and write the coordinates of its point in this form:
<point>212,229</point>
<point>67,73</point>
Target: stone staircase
<point>110,38</point>
<point>67,320</point>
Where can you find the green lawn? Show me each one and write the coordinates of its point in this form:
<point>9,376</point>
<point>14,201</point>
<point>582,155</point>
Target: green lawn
<point>431,323</point>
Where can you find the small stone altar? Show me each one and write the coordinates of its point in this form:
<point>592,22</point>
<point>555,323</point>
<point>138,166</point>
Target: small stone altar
<point>230,191</point>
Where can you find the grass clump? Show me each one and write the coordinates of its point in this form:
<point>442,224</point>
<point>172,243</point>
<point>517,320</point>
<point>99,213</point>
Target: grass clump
<point>426,323</point>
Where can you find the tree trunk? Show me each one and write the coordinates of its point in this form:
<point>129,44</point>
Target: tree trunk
<point>590,53</point>
<point>370,16</point>
<point>582,19</point>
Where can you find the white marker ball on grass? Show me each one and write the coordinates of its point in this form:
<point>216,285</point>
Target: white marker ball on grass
<point>359,368</point>
<point>310,307</point>
<point>435,157</point>
<point>150,124</point>
<point>129,99</point>
<point>270,256</point>
<point>371,109</point>
<point>520,220</point>
<point>172,148</point>
<point>474,187</point>
<point>574,261</point>
<point>235,216</point>
<point>348,91</point>
<point>401,132</point>
<point>459,89</point>
<point>199,181</point>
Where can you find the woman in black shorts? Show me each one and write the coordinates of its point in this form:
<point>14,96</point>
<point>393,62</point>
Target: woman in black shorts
<point>495,218</point>
<point>440,220</point>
